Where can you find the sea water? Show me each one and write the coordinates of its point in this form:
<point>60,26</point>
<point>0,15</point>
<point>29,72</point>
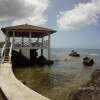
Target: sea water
<point>62,79</point>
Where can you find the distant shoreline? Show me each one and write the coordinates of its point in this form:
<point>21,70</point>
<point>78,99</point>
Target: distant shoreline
<point>77,48</point>
<point>66,48</point>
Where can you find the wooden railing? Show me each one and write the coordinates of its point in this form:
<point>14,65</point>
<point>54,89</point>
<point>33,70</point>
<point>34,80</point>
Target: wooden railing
<point>2,53</point>
<point>26,43</point>
<point>2,50</point>
<point>10,52</point>
<point>17,42</point>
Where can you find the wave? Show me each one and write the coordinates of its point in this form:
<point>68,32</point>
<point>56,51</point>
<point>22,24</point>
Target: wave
<point>94,54</point>
<point>90,54</point>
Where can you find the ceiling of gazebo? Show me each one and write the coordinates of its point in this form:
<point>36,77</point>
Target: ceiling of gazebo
<point>23,31</point>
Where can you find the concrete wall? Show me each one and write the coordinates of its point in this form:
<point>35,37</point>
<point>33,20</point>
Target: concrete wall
<point>26,52</point>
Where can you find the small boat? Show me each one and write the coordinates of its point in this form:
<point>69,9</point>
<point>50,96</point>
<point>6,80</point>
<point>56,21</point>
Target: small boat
<point>74,54</point>
<point>87,61</point>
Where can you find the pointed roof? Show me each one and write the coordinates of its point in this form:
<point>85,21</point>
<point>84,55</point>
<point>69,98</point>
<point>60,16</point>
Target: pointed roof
<point>26,28</point>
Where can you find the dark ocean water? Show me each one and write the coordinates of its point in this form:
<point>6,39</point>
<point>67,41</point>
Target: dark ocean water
<point>61,80</point>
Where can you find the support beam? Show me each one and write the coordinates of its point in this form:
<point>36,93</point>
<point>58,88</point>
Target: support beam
<point>41,52</point>
<point>42,46</point>
<point>42,41</point>
<point>30,35</point>
<point>37,39</point>
<point>49,51</point>
<point>6,39</point>
<point>13,38</point>
<point>22,41</point>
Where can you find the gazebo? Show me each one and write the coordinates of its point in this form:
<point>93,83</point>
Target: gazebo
<point>27,37</point>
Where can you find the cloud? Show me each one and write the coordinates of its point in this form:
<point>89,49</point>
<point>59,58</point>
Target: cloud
<point>82,14</point>
<point>2,36</point>
<point>24,11</point>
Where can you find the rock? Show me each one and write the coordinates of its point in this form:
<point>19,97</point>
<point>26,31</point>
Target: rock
<point>19,60</point>
<point>74,54</point>
<point>90,90</point>
<point>43,61</point>
<point>87,61</point>
<point>33,56</point>
<point>50,62</point>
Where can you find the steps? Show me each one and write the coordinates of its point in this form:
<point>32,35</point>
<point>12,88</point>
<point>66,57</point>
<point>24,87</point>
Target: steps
<point>6,53</point>
<point>6,58</point>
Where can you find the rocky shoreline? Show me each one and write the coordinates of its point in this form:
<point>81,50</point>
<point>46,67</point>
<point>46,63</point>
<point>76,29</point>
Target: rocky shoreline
<point>18,59</point>
<point>91,90</point>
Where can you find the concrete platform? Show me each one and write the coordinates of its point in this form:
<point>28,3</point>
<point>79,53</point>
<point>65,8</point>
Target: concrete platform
<point>13,89</point>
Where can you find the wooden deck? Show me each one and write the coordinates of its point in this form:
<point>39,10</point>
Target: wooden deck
<point>13,89</point>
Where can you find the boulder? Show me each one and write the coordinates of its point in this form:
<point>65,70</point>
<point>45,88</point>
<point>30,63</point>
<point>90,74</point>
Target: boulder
<point>87,61</point>
<point>74,54</point>
<point>43,61</point>
<point>19,60</point>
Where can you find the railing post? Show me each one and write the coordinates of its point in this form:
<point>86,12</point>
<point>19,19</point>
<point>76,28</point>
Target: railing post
<point>13,38</point>
<point>10,52</point>
<point>42,41</point>
<point>6,37</point>
<point>49,52</point>
<point>42,46</point>
<point>2,53</point>
<point>22,41</point>
<point>6,42</point>
<point>30,35</point>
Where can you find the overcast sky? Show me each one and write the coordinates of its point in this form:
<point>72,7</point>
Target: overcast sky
<point>77,21</point>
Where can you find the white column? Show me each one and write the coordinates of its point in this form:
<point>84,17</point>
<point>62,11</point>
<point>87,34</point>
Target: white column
<point>42,40</point>
<point>42,46</point>
<point>22,41</point>
<point>13,38</point>
<point>30,35</point>
<point>6,39</point>
<point>49,51</point>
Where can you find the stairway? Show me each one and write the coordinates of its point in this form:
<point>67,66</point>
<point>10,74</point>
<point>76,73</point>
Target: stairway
<point>6,58</point>
<point>6,53</point>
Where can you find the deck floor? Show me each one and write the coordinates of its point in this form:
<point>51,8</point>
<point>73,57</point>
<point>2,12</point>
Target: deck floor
<point>13,89</point>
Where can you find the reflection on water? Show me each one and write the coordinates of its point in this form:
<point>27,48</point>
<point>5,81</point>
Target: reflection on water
<point>61,80</point>
<point>55,82</point>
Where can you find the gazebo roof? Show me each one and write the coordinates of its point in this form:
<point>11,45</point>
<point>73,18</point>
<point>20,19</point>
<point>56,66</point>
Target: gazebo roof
<point>23,30</point>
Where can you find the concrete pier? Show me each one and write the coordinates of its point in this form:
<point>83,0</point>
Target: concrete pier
<point>13,89</point>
